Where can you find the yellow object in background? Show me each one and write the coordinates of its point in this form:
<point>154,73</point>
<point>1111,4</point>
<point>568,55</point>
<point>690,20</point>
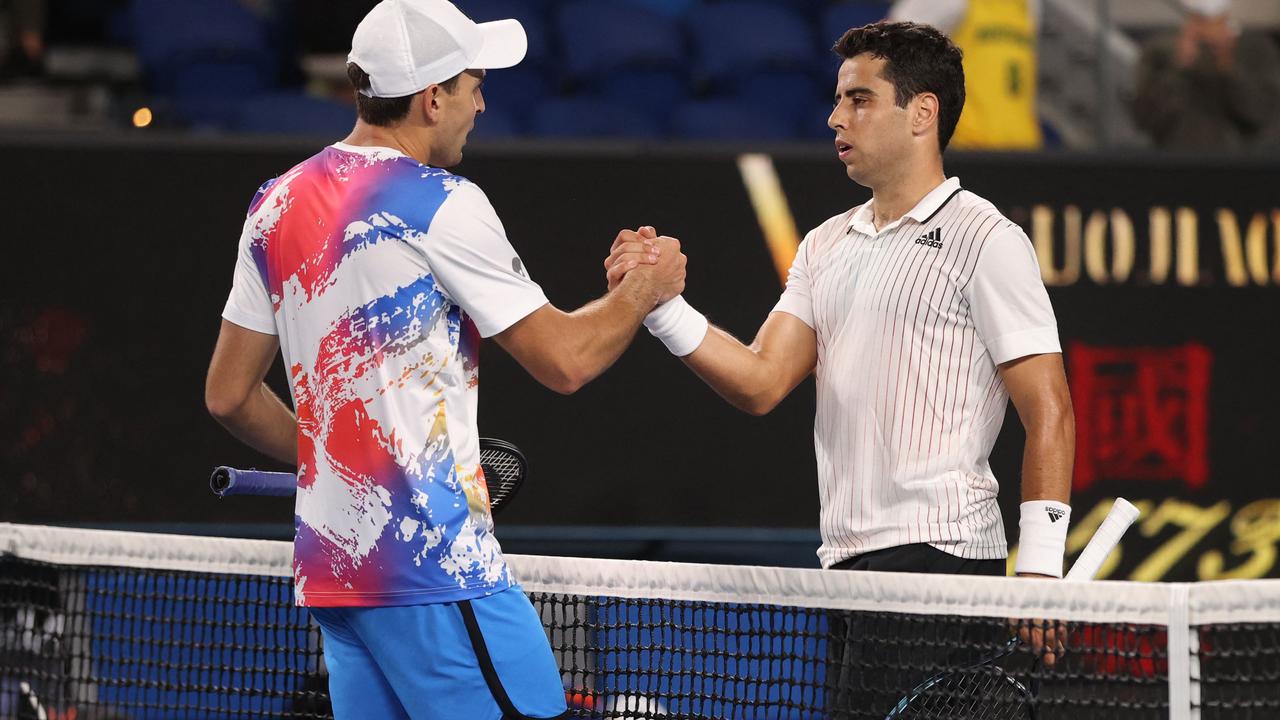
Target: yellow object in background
<point>998,38</point>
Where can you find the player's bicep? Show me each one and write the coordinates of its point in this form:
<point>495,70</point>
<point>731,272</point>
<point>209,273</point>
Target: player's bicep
<point>240,362</point>
<point>469,255</point>
<point>532,339</point>
<point>249,304</point>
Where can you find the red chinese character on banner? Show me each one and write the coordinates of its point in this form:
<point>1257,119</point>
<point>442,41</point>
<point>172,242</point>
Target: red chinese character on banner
<point>1141,413</point>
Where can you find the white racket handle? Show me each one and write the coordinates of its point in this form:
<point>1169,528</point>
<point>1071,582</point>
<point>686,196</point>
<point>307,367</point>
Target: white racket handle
<point>1108,535</point>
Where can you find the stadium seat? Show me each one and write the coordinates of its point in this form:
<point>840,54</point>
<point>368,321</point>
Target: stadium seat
<point>842,16</point>
<point>730,120</point>
<point>656,90</point>
<point>591,118</point>
<point>294,113</point>
<point>205,94</point>
<point>813,122</point>
<point>808,7</point>
<point>599,36</point>
<point>170,36</point>
<point>517,89</point>
<point>496,123</point>
<point>786,91</point>
<point>532,15</point>
<point>735,37</point>
<point>670,8</point>
<point>1052,138</point>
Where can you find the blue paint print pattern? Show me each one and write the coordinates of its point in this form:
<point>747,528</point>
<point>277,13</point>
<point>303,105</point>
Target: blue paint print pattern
<point>391,508</point>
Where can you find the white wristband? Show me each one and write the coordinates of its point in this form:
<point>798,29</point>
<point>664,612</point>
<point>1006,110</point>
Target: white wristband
<point>677,325</point>
<point>1042,537</point>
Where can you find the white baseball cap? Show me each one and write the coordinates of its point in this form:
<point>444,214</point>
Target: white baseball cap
<point>406,45</point>
<point>1208,8</point>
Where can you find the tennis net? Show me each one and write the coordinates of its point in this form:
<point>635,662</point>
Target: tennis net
<point>98,624</point>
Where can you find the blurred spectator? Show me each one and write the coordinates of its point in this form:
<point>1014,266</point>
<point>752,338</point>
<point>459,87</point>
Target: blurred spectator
<point>1210,86</point>
<point>999,39</point>
<point>26,23</point>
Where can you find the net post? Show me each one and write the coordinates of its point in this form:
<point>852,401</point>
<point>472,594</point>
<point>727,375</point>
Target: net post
<point>1179,651</point>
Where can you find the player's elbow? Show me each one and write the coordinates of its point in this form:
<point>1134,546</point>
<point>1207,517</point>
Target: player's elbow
<point>558,375</point>
<point>1053,416</point>
<point>222,402</point>
<point>565,385</point>
<point>759,404</point>
<point>566,377</point>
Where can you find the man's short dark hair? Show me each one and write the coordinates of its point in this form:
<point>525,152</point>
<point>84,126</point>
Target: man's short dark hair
<point>385,112</point>
<point>918,58</point>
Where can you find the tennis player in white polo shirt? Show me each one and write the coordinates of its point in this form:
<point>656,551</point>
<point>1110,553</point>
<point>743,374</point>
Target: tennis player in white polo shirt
<point>922,313</point>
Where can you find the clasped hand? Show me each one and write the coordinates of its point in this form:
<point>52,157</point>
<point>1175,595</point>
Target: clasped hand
<point>654,262</point>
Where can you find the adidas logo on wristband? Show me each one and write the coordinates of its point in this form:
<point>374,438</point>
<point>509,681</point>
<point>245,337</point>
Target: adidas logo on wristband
<point>1054,514</point>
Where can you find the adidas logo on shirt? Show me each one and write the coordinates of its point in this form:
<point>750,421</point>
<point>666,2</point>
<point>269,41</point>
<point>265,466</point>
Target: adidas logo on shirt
<point>1054,513</point>
<point>933,239</point>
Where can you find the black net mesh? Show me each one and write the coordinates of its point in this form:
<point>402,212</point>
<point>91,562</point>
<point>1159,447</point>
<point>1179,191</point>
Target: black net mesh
<point>86,642</point>
<point>126,643</point>
<point>1239,670</point>
<point>629,658</point>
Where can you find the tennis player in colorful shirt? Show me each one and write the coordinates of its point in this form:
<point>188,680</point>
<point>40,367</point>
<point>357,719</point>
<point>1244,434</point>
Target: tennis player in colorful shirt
<point>375,273</point>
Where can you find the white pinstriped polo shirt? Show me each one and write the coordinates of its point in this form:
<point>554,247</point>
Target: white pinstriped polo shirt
<point>912,321</point>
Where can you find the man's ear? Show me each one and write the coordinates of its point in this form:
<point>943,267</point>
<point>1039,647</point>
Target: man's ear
<point>924,113</point>
<point>430,103</point>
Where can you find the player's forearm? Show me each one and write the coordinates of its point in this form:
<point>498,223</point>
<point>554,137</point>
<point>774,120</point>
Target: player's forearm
<point>737,373</point>
<point>265,423</point>
<point>1048,456</point>
<point>598,333</point>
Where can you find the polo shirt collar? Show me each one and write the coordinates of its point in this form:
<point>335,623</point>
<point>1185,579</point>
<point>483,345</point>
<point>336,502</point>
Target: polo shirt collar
<point>863,220</point>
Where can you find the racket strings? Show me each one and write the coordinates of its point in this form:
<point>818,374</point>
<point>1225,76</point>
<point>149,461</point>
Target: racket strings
<point>985,692</point>
<point>503,473</point>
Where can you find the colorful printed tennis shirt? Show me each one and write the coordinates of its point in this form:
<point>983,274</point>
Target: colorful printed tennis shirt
<point>380,275</point>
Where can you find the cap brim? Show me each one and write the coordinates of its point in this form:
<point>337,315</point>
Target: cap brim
<point>505,45</point>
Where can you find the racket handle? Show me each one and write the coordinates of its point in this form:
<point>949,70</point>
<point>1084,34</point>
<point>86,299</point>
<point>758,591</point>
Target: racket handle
<point>230,481</point>
<point>1108,535</point>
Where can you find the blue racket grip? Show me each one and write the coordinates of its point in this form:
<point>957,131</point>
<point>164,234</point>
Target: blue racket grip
<point>230,481</point>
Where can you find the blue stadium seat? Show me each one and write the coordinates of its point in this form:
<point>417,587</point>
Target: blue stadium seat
<point>808,7</point>
<point>205,94</point>
<point>171,35</point>
<point>730,120</point>
<point>657,90</point>
<point>839,18</point>
<point>294,114</point>
<point>591,118</point>
<point>599,36</point>
<point>789,91</point>
<point>735,37</point>
<point>813,123</point>
<point>495,123</point>
<point>1052,138</point>
<point>670,8</point>
<point>531,13</point>
<point>519,87</point>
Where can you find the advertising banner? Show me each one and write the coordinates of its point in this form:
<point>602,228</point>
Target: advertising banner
<point>1164,274</point>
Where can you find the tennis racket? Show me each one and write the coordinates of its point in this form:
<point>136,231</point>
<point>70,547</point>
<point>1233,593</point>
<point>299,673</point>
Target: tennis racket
<point>503,465</point>
<point>984,690</point>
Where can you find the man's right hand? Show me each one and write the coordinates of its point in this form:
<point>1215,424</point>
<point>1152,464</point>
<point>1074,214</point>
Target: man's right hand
<point>653,263</point>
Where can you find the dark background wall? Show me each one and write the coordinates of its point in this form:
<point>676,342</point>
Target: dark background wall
<point>118,257</point>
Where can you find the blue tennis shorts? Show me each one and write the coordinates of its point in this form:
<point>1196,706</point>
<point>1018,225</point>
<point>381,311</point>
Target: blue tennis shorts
<point>482,659</point>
